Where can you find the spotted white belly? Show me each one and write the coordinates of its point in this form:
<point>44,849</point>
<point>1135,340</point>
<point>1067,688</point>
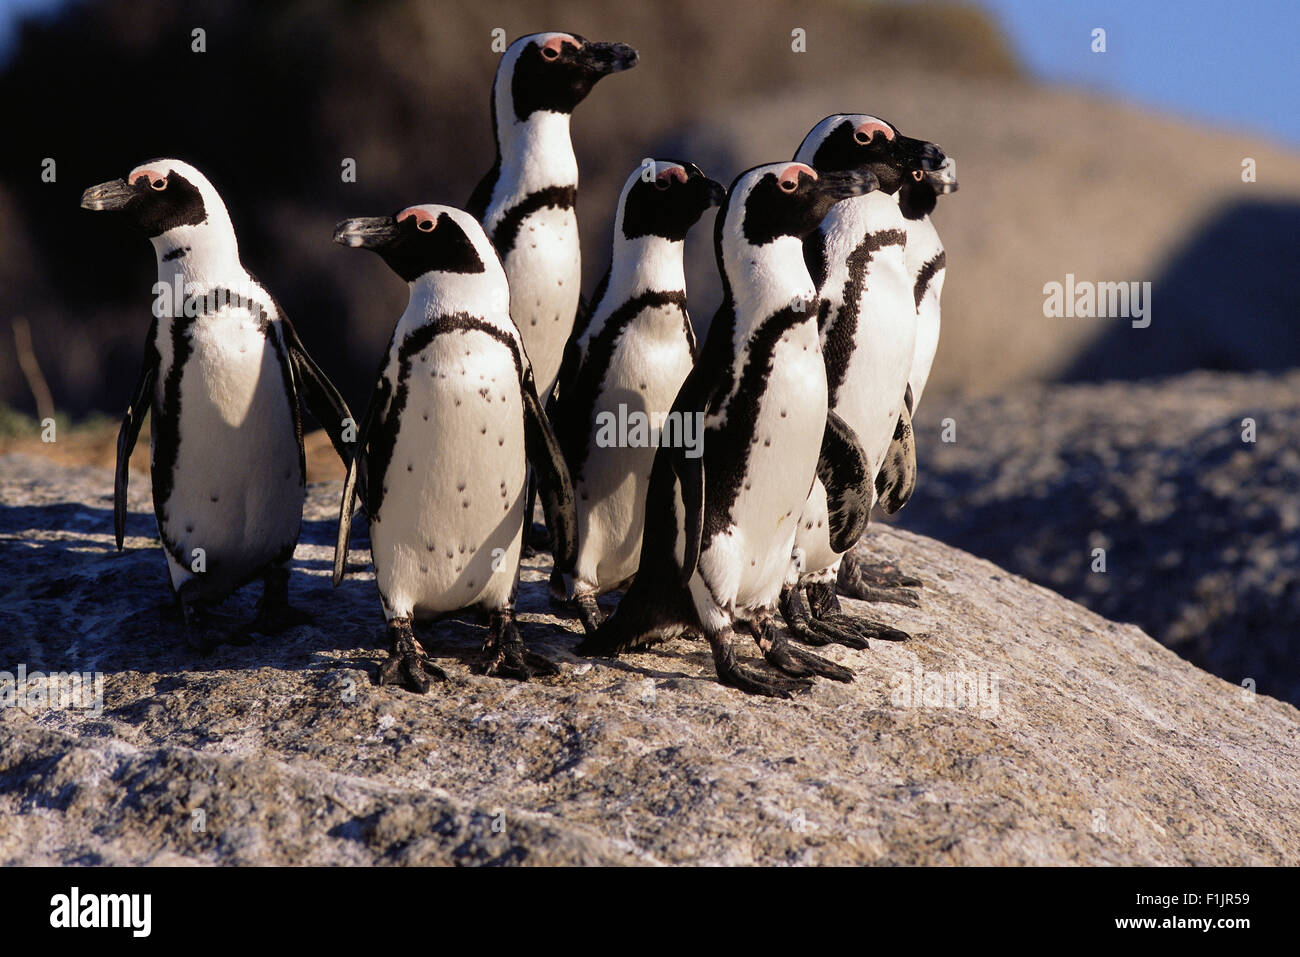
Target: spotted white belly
<point>448,531</point>
<point>545,273</point>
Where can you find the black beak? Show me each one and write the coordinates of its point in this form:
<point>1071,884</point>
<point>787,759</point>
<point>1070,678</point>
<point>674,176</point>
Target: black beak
<point>366,232</point>
<point>717,193</point>
<point>844,184</point>
<point>932,158</point>
<point>114,195</point>
<point>606,58</point>
<point>945,180</point>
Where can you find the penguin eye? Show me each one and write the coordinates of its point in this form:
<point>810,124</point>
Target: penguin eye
<point>159,184</point>
<point>425,225</point>
<point>862,137</point>
<point>661,183</point>
<point>789,185</point>
<point>550,53</point>
<point>918,175</point>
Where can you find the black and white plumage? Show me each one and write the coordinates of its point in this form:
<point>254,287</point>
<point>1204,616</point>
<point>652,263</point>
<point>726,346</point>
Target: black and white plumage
<point>444,441</point>
<point>626,365</point>
<point>927,264</point>
<point>720,529</point>
<point>868,323</point>
<point>223,374</point>
<point>526,201</point>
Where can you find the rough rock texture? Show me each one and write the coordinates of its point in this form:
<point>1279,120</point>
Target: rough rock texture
<point>1201,529</point>
<point>1100,745</point>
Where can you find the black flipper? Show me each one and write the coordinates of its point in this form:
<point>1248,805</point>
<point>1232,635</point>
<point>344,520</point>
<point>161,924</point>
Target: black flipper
<point>379,397</point>
<point>897,477</point>
<point>843,470</point>
<point>141,400</point>
<point>318,393</point>
<point>553,482</point>
<point>690,476</point>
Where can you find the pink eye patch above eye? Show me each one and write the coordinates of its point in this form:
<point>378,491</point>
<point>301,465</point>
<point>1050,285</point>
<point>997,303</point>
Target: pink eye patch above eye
<point>424,219</point>
<point>872,127</point>
<point>791,173</point>
<point>151,176</point>
<point>672,172</point>
<point>556,44</point>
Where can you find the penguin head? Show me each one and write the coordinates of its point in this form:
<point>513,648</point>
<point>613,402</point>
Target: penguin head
<point>159,196</point>
<point>665,198</point>
<point>554,72</point>
<point>778,200</point>
<point>858,141</point>
<point>423,239</point>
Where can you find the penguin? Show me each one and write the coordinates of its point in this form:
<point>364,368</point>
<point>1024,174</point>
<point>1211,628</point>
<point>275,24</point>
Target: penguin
<point>868,323</point>
<point>720,527</point>
<point>224,375</point>
<point>526,201</point>
<point>452,417</point>
<point>622,370</point>
<point>926,264</point>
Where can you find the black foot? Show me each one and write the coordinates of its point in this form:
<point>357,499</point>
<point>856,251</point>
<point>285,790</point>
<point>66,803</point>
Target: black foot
<point>790,660</point>
<point>807,629</point>
<point>732,673</point>
<point>407,664</point>
<point>274,613</point>
<point>205,628</point>
<point>824,607</point>
<point>877,583</point>
<point>589,613</point>
<point>504,654</point>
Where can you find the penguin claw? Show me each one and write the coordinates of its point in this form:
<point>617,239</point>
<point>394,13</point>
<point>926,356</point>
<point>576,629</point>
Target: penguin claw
<point>407,665</point>
<point>753,682</point>
<point>504,654</point>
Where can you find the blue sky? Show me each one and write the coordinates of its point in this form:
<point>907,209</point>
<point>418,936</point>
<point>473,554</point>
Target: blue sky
<point>1230,62</point>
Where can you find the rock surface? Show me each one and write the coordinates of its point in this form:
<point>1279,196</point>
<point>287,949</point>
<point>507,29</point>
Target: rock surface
<point>1089,742</point>
<point>1200,527</point>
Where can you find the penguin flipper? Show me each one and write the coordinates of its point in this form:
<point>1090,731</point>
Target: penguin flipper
<point>378,400</point>
<point>690,476</point>
<point>897,478</point>
<point>127,435</point>
<point>553,483</point>
<point>321,398</point>
<point>843,470</point>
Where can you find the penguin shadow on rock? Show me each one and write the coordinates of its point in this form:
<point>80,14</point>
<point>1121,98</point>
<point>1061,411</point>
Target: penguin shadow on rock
<point>1226,300</point>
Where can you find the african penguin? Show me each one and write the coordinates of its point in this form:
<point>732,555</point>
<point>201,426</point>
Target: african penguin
<point>526,201</point>
<point>451,420</point>
<point>622,371</point>
<point>719,528</point>
<point>223,373</point>
<point>868,322</point>
<point>926,264</point>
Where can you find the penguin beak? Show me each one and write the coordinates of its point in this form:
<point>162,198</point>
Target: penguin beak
<point>717,193</point>
<point>602,59</point>
<point>366,232</point>
<point>844,184</point>
<point>944,179</point>
<point>113,195</point>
